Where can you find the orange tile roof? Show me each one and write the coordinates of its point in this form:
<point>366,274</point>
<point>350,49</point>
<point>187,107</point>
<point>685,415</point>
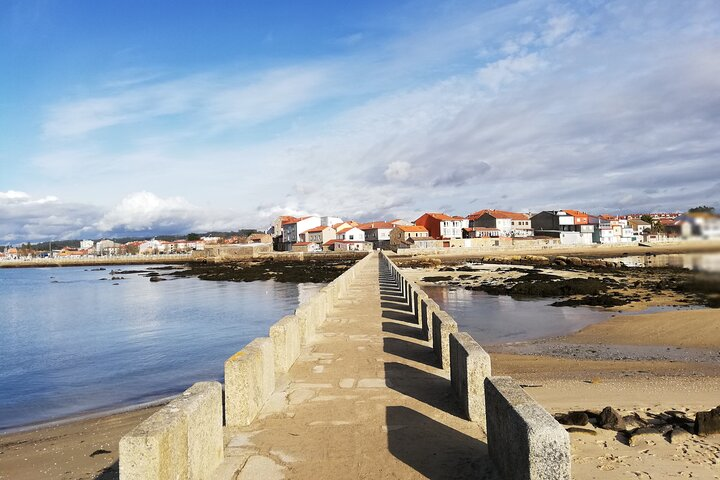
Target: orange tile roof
<point>576,213</point>
<point>412,228</point>
<point>317,229</point>
<point>440,216</point>
<point>286,220</point>
<point>373,225</point>
<point>302,243</point>
<point>499,214</point>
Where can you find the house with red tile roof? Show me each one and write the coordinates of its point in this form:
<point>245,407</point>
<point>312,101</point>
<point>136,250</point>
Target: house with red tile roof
<point>510,224</point>
<point>378,233</point>
<point>401,233</point>
<point>319,235</point>
<point>350,233</point>
<point>440,225</point>
<point>571,226</point>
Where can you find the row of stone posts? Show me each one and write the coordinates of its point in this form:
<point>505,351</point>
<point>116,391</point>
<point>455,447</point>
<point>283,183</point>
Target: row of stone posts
<point>184,439</point>
<point>524,441</point>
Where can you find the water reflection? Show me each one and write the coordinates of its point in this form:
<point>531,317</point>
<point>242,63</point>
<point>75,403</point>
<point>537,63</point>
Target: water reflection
<point>84,344</point>
<point>493,319</point>
<point>705,262</point>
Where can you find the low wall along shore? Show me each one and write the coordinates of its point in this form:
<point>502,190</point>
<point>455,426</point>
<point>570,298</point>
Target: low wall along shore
<point>524,441</point>
<point>184,440</point>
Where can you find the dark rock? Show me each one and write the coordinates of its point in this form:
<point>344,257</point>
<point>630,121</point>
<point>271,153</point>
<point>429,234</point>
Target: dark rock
<point>158,279</point>
<point>573,418</point>
<point>100,451</point>
<point>610,419</point>
<point>574,261</point>
<point>435,279</point>
<point>586,431</point>
<point>707,423</point>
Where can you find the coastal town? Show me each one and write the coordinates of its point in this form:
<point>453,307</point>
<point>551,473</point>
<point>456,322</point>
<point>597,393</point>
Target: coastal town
<point>431,231</point>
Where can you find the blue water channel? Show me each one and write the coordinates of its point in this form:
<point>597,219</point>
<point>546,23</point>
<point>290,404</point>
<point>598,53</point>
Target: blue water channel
<point>497,319</point>
<point>72,343</point>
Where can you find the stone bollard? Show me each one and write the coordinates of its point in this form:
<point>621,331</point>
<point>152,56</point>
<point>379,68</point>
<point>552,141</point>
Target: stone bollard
<point>422,303</point>
<point>307,328</point>
<point>184,439</point>
<point>524,441</point>
<point>285,335</point>
<point>414,299</point>
<point>469,367</point>
<point>427,321</point>
<point>442,326</point>
<point>249,381</point>
<point>157,448</point>
<point>202,404</point>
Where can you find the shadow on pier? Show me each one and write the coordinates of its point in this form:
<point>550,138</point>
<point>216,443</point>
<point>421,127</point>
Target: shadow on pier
<point>433,449</point>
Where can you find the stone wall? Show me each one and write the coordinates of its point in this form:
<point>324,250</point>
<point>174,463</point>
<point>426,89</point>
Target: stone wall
<point>524,441</point>
<point>185,438</point>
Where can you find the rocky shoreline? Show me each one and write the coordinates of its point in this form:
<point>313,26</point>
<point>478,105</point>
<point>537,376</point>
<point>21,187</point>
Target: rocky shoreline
<point>572,280</point>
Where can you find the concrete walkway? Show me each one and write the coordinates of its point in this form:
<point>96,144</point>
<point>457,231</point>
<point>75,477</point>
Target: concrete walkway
<point>364,400</point>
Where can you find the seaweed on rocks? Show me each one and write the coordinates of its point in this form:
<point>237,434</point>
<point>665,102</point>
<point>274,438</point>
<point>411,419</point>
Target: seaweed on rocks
<point>593,301</point>
<point>437,278</point>
<point>310,271</point>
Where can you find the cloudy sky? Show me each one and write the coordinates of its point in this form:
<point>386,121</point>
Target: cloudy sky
<point>155,117</point>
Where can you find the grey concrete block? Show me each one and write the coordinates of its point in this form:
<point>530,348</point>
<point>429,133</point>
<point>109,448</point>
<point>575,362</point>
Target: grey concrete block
<point>307,328</point>
<point>157,448</point>
<point>427,320</point>
<point>524,441</point>
<point>184,439</point>
<point>442,326</point>
<point>249,381</point>
<point>201,405</point>
<point>285,334</point>
<point>469,367</point>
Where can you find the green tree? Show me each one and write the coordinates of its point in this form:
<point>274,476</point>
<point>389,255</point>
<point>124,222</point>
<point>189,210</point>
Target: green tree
<point>647,218</point>
<point>193,237</point>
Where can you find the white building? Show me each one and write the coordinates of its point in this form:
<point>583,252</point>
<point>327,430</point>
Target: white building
<point>86,244</point>
<point>351,234</point>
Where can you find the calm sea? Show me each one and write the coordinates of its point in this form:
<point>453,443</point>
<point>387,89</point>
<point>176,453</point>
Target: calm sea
<point>496,319</point>
<point>72,343</point>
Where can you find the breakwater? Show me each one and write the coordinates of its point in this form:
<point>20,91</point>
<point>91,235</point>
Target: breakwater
<point>340,368</point>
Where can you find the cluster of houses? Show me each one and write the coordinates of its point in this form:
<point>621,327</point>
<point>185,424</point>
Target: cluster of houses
<point>486,228</point>
<point>107,247</point>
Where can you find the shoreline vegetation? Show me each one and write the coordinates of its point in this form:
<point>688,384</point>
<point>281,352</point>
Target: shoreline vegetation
<point>549,368</point>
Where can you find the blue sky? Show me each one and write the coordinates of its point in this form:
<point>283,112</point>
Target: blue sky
<point>159,117</point>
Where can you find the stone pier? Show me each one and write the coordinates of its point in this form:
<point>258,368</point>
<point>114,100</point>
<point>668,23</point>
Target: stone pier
<point>356,384</point>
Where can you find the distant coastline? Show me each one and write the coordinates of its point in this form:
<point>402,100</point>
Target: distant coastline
<point>100,261</point>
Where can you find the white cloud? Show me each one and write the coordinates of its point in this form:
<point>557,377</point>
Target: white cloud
<point>508,69</point>
<point>216,100</point>
<point>422,122</point>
